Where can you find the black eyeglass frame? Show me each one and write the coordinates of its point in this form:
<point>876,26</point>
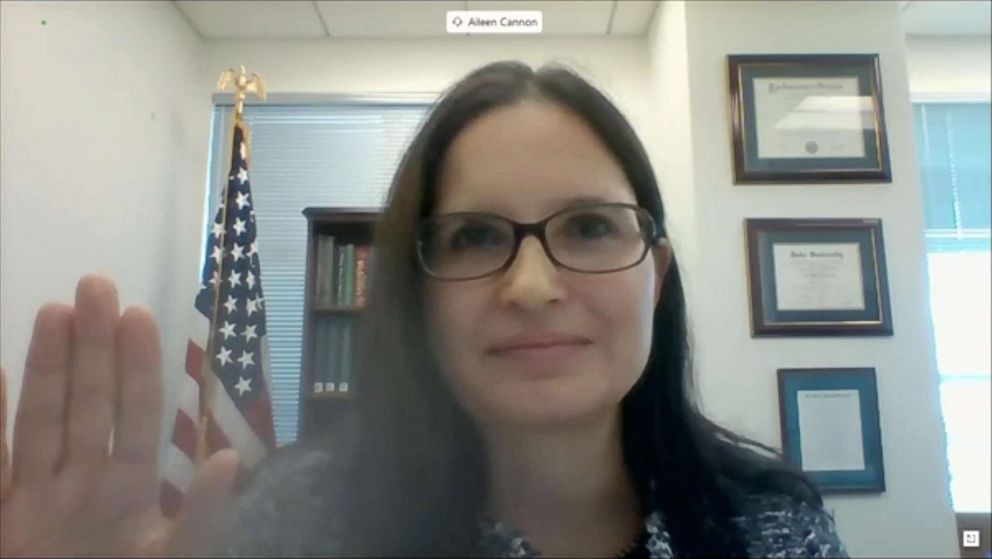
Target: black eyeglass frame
<point>649,233</point>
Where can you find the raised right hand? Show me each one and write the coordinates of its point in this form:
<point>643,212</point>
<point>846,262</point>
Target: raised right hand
<point>83,477</point>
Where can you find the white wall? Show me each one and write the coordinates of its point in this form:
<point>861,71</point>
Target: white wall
<point>947,66</point>
<point>419,65</point>
<point>667,133</point>
<point>105,128</point>
<point>356,66</point>
<point>737,373</point>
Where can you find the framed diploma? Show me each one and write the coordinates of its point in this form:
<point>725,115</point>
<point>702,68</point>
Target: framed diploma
<point>808,118</point>
<point>830,427</point>
<point>817,277</point>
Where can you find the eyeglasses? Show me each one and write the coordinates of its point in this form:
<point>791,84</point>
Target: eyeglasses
<point>592,238</point>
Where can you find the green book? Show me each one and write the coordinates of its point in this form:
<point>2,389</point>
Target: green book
<point>319,289</point>
<point>329,273</point>
<point>349,275</point>
<point>346,361</point>
<point>339,275</point>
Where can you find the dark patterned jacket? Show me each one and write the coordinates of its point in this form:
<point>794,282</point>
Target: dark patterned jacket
<point>283,512</point>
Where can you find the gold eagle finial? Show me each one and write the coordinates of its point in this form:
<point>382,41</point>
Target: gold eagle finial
<point>243,84</point>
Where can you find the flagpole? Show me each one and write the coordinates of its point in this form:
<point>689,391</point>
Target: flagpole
<point>243,84</point>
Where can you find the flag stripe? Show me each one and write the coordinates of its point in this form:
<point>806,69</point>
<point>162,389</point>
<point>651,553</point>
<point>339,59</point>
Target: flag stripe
<point>266,368</point>
<point>194,358</point>
<point>171,498</point>
<point>259,416</point>
<point>184,434</point>
<point>215,435</point>
<point>188,399</point>
<point>181,470</point>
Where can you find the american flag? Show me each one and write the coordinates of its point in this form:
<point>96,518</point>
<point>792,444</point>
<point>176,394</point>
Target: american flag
<point>231,384</point>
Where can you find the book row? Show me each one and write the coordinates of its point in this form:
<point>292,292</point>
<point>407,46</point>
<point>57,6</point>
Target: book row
<point>342,272</point>
<point>333,353</point>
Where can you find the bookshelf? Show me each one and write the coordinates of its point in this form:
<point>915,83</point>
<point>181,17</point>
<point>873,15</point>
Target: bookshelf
<point>339,244</point>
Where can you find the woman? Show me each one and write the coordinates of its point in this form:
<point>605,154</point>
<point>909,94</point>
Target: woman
<point>524,383</point>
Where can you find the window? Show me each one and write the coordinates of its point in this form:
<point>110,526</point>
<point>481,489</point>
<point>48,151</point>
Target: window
<point>953,143</point>
<point>305,155</point>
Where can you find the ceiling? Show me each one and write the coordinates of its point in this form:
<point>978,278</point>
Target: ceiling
<point>292,19</point>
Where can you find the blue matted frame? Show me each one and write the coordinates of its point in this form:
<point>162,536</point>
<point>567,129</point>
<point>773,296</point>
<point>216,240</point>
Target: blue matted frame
<point>791,381</point>
<point>767,320</point>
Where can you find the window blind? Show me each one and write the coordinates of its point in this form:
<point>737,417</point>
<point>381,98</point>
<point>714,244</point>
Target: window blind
<point>953,147</point>
<point>953,144</point>
<point>331,155</point>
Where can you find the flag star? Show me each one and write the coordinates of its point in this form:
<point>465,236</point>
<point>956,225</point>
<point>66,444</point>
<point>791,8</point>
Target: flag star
<point>244,385</point>
<point>215,279</point>
<point>250,280</point>
<point>242,200</point>
<point>227,330</point>
<point>249,333</point>
<point>242,175</point>
<point>231,304</point>
<point>257,301</point>
<point>246,359</point>
<point>252,306</point>
<point>239,226</point>
<point>234,279</point>
<point>224,356</point>
<point>217,230</point>
<point>218,254</point>
<point>253,249</point>
<point>236,252</point>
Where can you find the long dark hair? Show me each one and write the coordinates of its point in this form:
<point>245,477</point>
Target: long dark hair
<point>417,476</point>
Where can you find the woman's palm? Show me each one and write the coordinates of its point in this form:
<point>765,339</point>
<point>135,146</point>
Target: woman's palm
<point>79,514</point>
<point>83,479</point>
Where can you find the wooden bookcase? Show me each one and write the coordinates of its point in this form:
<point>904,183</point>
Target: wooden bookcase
<point>328,314</point>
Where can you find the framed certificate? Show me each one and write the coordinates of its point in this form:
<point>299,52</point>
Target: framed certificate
<point>830,427</point>
<point>808,118</point>
<point>817,277</point>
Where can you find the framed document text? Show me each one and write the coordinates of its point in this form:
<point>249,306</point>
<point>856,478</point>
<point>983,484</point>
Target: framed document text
<point>808,118</point>
<point>830,427</point>
<point>817,277</point>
